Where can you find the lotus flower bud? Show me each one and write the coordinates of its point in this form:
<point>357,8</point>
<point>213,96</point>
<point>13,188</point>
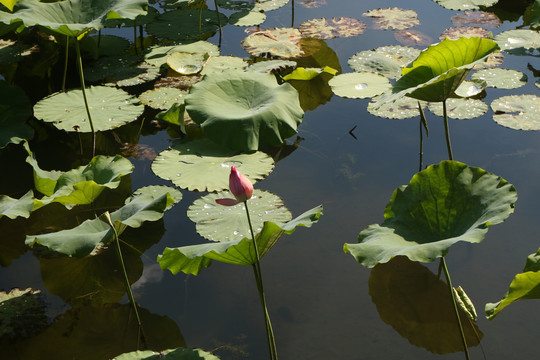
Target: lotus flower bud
<point>240,186</point>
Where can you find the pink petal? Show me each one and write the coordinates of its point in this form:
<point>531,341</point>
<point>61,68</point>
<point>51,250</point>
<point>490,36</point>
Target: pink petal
<point>227,202</point>
<point>240,185</point>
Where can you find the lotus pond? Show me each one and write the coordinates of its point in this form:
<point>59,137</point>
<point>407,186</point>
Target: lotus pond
<point>382,143</point>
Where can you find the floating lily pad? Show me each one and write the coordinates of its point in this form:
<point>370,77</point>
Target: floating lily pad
<point>247,18</point>
<point>385,60</point>
<point>120,70</point>
<point>219,64</point>
<point>237,5</point>
<point>492,61</point>
<point>393,18</point>
<point>460,108</point>
<point>412,37</point>
<point>359,85</point>
<point>335,28</point>
<point>163,97</point>
<point>157,55</point>
<point>469,88</point>
<point>269,65</point>
<point>464,31</point>
<point>109,107</point>
<point>171,354</point>
<point>402,108</point>
<point>312,4</point>
<point>279,42</point>
<point>477,18</point>
<point>442,205</point>
<point>465,4</point>
<point>267,5</point>
<point>519,42</point>
<point>15,109</point>
<point>244,110</point>
<point>229,223</point>
<point>519,112</point>
<point>13,208</point>
<point>192,259</point>
<point>301,73</point>
<point>186,63</point>
<point>185,24</point>
<point>201,165</point>
<point>501,78</point>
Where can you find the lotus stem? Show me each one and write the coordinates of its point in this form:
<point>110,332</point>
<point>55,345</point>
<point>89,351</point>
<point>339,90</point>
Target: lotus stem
<point>65,65</point>
<point>81,76</point>
<point>258,277</point>
<point>218,20</point>
<point>447,132</point>
<point>292,13</point>
<point>135,37</point>
<point>452,295</point>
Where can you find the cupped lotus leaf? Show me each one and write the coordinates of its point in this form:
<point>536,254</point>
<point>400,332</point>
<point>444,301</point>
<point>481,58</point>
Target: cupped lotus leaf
<point>519,42</point>
<point>393,18</point>
<point>186,63</point>
<point>460,108</point>
<point>335,28</point>
<point>83,239</point>
<point>469,88</point>
<point>440,69</point>
<point>442,205</point>
<point>163,97</point>
<point>74,17</point>
<point>519,112</point>
<point>186,24</point>
<point>15,109</point>
<point>201,165</point>
<point>501,78</point>
<point>359,85</point>
<point>216,222</point>
<point>525,285</point>
<point>170,354</point>
<point>13,208</point>
<point>465,4</point>
<point>110,108</point>
<point>279,42</point>
<point>192,259</point>
<point>219,64</point>
<point>247,18</point>
<point>455,33</point>
<point>269,65</point>
<point>267,5</point>
<point>157,55</point>
<point>385,60</point>
<point>244,110</point>
<point>412,37</point>
<point>402,108</point>
<point>477,18</point>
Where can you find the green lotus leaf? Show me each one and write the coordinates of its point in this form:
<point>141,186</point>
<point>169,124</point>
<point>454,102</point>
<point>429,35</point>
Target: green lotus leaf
<point>9,3</point>
<point>110,45</point>
<point>201,165</point>
<point>335,28</point>
<point>269,65</point>
<point>192,259</point>
<point>185,24</point>
<point>244,110</point>
<point>525,285</point>
<point>186,63</point>
<point>460,108</point>
<point>455,33</point>
<point>247,18</point>
<point>402,108</point>
<point>482,19</point>
<point>219,64</point>
<point>501,78</point>
<point>469,88</point>
<point>110,108</point>
<point>519,112</point>
<point>15,109</point>
<point>307,74</point>
<point>393,18</point>
<point>359,85</point>
<point>279,42</point>
<point>74,17</point>
<point>163,97</point>
<point>157,55</point>
<point>442,205</point>
<point>156,191</point>
<point>171,354</point>
<point>531,17</point>
<point>519,42</point>
<point>385,60</point>
<point>229,223</point>
<point>120,71</point>
<point>13,208</point>
<point>465,4</point>
<point>237,5</point>
<point>267,5</point>
<point>175,115</point>
<point>439,70</point>
<point>83,239</point>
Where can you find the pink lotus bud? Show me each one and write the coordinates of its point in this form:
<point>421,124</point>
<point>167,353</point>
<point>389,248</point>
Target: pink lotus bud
<point>240,186</point>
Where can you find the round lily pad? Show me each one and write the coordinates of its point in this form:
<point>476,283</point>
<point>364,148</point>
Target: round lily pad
<point>228,223</point>
<point>163,97</point>
<point>455,33</point>
<point>244,110</point>
<point>335,28</point>
<point>393,18</point>
<point>109,107</point>
<point>279,42</point>
<point>219,64</point>
<point>247,18</point>
<point>465,4</point>
<point>359,85</point>
<point>267,5</point>
<point>413,37</point>
<point>493,60</point>
<point>519,42</point>
<point>269,65</point>
<point>402,108</point>
<point>120,70</point>
<point>501,78</point>
<point>477,18</point>
<point>157,55</point>
<point>186,63</point>
<point>185,24</point>
<point>519,112</point>
<point>385,60</point>
<point>200,165</point>
<point>460,108</point>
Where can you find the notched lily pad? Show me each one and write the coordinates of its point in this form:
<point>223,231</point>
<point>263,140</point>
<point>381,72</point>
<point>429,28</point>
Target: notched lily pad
<point>460,108</point>
<point>267,5</point>
<point>162,97</point>
<point>477,18</point>
<point>465,31</point>
<point>385,60</point>
<point>519,112</point>
<point>402,108</point>
<point>359,85</point>
<point>501,78</point>
<point>279,42</point>
<point>335,28</point>
<point>393,18</point>
<point>157,55</point>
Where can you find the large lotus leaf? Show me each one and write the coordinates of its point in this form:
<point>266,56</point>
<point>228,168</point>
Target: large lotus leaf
<point>247,18</point>
<point>439,70</point>
<point>465,4</point>
<point>192,259</point>
<point>163,97</point>
<point>443,204</point>
<point>109,107</point>
<point>73,17</point>
<point>186,24</point>
<point>524,286</point>
<point>15,109</point>
<point>519,112</point>
<point>13,208</point>
<point>171,354</point>
<point>201,165</point>
<point>229,223</point>
<point>83,239</point>
<point>244,110</point>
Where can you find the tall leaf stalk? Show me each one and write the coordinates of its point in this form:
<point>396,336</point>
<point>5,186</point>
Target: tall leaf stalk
<point>258,278</point>
<point>83,86</point>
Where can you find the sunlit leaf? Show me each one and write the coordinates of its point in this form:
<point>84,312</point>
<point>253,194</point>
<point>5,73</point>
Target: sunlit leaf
<point>501,78</point>
<point>359,85</point>
<point>465,4</point>
<point>186,63</point>
<point>469,88</point>
<point>279,42</point>
<point>402,108</point>
<point>267,5</point>
<point>269,65</point>
<point>385,60</point>
<point>519,112</point>
<point>477,18</point>
<point>219,64</point>
<point>519,42</point>
<point>171,354</point>
<point>13,208</point>
<point>247,18</point>
<point>442,205</point>
<point>393,18</point>
<point>335,28</point>
<point>163,97</point>
<point>412,37</point>
<point>455,33</point>
<point>460,108</point>
<point>157,55</point>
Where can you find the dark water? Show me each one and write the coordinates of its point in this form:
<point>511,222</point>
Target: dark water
<point>321,302</point>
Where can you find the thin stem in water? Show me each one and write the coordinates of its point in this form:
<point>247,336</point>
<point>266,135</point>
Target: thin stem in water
<point>447,132</point>
<point>81,76</point>
<point>65,65</point>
